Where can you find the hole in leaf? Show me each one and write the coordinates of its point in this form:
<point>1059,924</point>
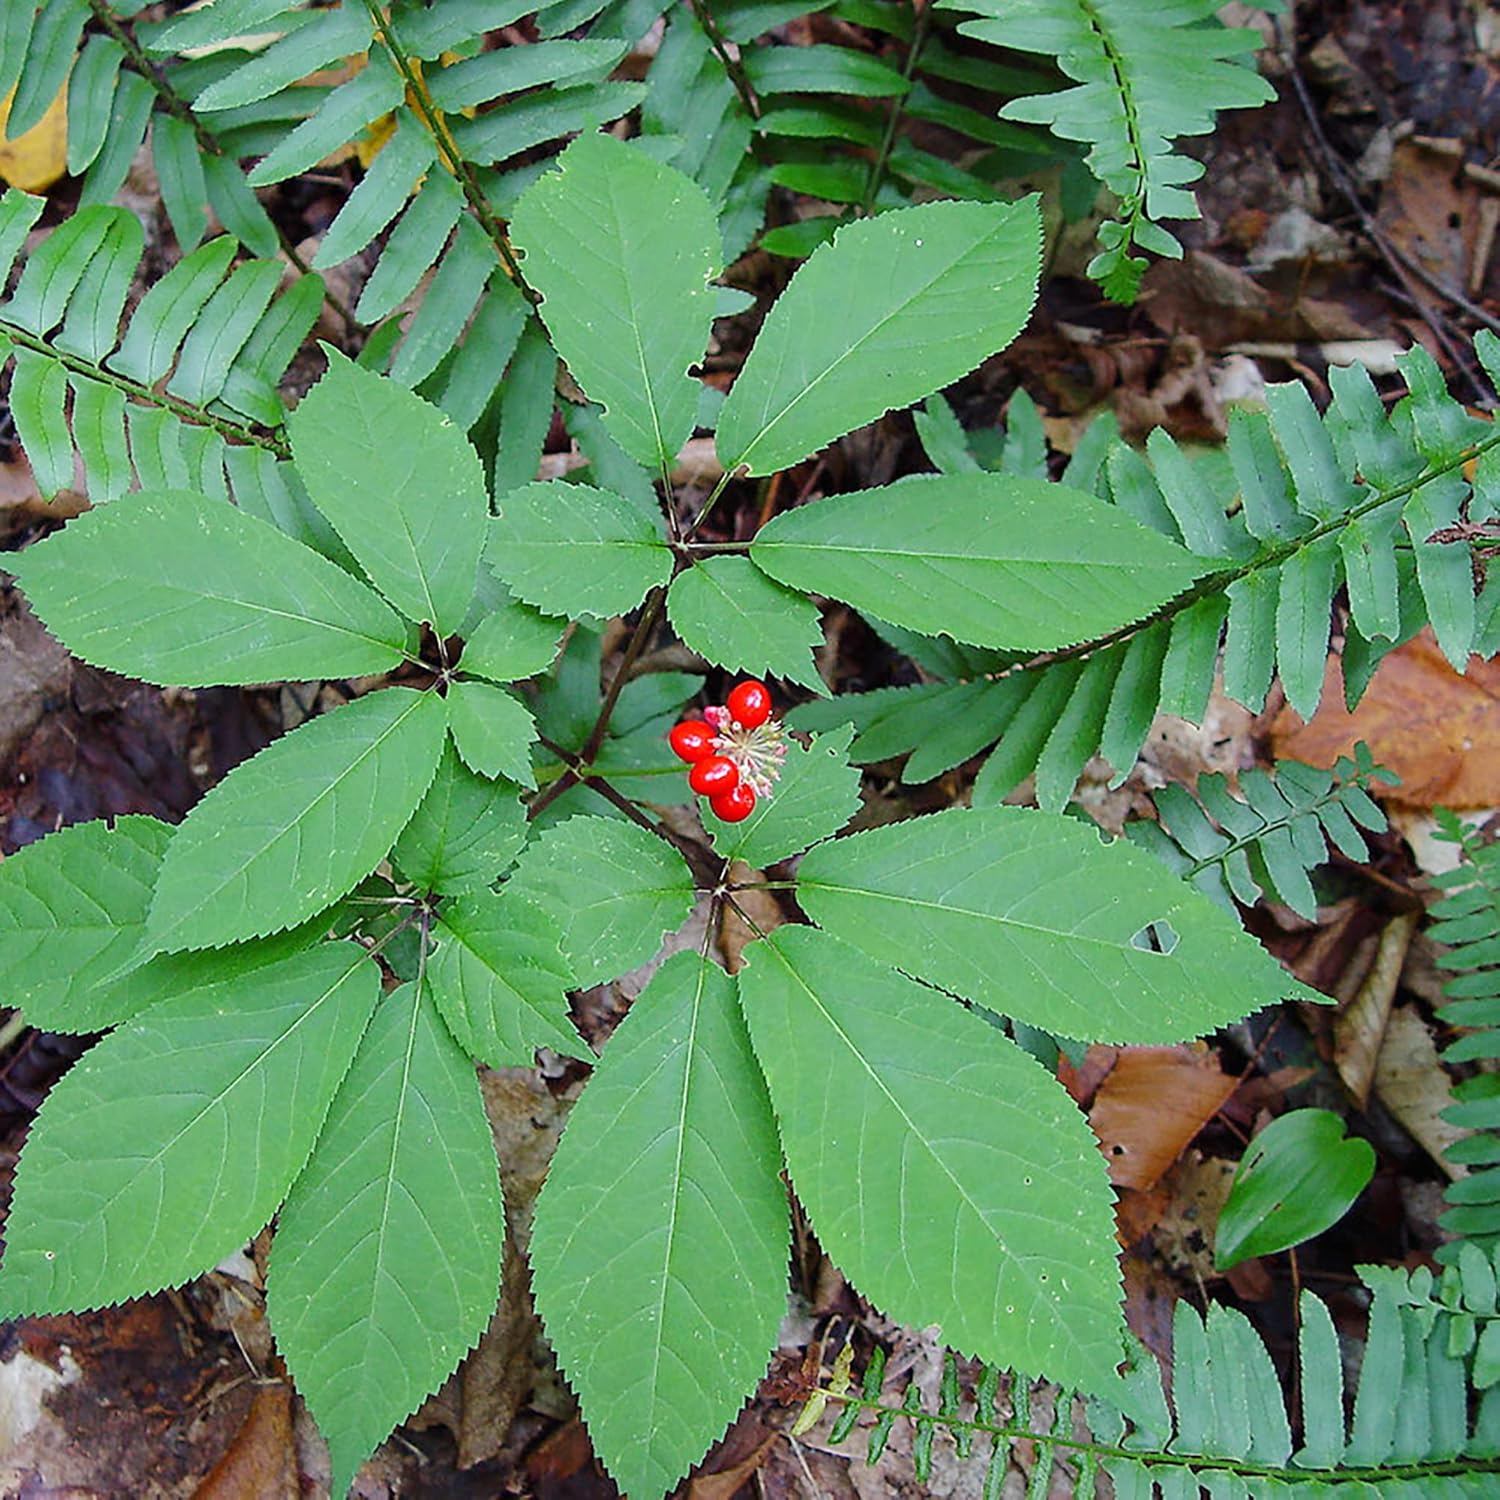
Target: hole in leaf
<point>1156,937</point>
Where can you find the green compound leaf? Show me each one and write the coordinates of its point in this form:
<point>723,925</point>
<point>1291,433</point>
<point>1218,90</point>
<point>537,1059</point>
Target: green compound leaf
<point>987,559</point>
<point>731,614</point>
<point>465,831</point>
<point>140,1173</point>
<point>573,550</point>
<point>660,1245</point>
<point>1032,915</point>
<point>493,731</point>
<point>401,486</point>
<point>817,794</point>
<point>179,589</point>
<point>628,306</point>
<point>500,980</point>
<point>386,1265</point>
<point>512,641</point>
<point>893,309</point>
<point>614,889</point>
<point>945,1171</point>
<point>72,911</point>
<point>1298,1177</point>
<point>288,832</point>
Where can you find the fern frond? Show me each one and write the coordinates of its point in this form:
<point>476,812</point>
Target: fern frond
<point>1357,499</point>
<point>1468,920</point>
<point>1226,1427</point>
<point>1264,841</point>
<point>158,400</point>
<point>1146,74</point>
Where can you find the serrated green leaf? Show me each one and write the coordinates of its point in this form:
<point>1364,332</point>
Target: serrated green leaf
<point>180,589</point>
<point>614,889</point>
<point>494,732</point>
<point>327,36</point>
<point>380,194</point>
<point>38,390</point>
<point>289,831</point>
<point>99,431</point>
<point>817,794</point>
<point>465,831</point>
<point>731,614</point>
<point>1034,916</point>
<point>956,283</point>
<point>138,1175</point>
<point>572,550</point>
<point>988,559</point>
<point>945,1171</point>
<point>512,641</point>
<point>401,486</point>
<point>664,1349</point>
<point>500,980</point>
<point>628,308</point>
<point>166,313</point>
<point>72,910</point>
<point>386,1265</point>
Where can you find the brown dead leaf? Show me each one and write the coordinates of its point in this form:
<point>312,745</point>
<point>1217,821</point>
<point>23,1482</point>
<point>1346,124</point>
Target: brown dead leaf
<point>1152,1105</point>
<point>1359,1031</point>
<point>1413,1085</point>
<point>34,161</point>
<point>735,933</point>
<point>1439,732</point>
<point>1184,1234</point>
<point>725,1484</point>
<point>261,1463</point>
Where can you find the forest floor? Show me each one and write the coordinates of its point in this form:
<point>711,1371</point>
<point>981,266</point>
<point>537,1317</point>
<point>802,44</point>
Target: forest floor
<point>1355,216</point>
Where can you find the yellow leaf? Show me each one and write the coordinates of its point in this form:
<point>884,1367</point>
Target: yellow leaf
<point>35,161</point>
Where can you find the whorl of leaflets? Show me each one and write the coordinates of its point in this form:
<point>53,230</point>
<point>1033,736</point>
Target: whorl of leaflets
<point>736,751</point>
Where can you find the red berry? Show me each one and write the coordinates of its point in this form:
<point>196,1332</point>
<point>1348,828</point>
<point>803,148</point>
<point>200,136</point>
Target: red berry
<point>692,740</point>
<point>749,704</point>
<point>714,776</point>
<point>735,805</point>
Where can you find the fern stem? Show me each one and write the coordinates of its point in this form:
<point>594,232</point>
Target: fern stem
<point>180,109</point>
<point>185,410</point>
<point>1270,557</point>
<point>734,67</point>
<point>898,108</point>
<point>1011,1433</point>
<point>1135,206</point>
<point>460,170</point>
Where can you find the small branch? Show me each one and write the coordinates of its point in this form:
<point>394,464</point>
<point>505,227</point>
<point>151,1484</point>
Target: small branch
<point>644,626</point>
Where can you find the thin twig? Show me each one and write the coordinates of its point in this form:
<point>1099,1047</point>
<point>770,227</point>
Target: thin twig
<point>644,626</point>
<point>898,107</point>
<point>733,66</point>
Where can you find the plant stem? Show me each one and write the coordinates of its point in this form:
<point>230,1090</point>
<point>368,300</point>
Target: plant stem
<point>898,106</point>
<point>734,67</point>
<point>644,626</point>
<point>461,171</point>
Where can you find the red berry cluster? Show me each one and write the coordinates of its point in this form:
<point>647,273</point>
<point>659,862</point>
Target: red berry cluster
<point>735,751</point>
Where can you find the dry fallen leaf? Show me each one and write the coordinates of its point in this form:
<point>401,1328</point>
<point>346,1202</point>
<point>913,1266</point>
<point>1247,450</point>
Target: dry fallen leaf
<point>34,161</point>
<point>1155,1100</point>
<point>261,1463</point>
<point>1439,732</point>
<point>1414,1086</point>
<point>1359,1032</point>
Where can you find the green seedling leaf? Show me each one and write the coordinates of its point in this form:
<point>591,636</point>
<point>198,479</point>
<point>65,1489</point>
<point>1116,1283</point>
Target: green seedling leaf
<point>628,306</point>
<point>817,794</point>
<point>731,614</point>
<point>136,1178</point>
<point>182,590</point>
<point>72,910</point>
<point>613,888</point>
<point>987,559</point>
<point>665,1347</point>
<point>1298,1177</point>
<point>499,978</point>
<point>571,550</point>
<point>465,831</point>
<point>893,309</point>
<point>401,485</point>
<point>1032,915</point>
<point>494,733</point>
<point>386,1266</point>
<point>288,832</point>
<point>945,1171</point>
